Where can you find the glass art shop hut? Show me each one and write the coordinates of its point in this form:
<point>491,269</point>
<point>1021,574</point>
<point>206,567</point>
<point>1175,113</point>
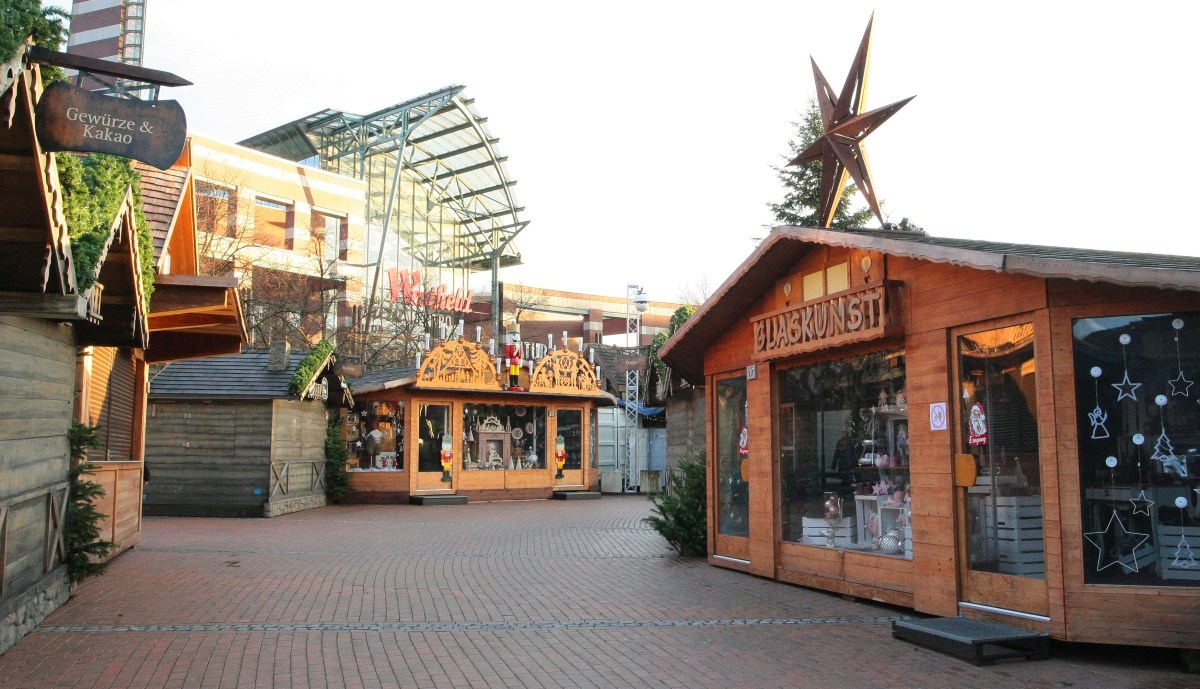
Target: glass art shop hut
<point>997,431</point>
<point>451,427</point>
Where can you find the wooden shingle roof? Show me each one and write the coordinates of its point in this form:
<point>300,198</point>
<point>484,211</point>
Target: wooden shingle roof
<point>161,192</point>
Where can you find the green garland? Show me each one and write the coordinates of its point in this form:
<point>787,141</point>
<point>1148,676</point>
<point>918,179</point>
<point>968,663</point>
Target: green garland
<point>93,189</point>
<point>309,367</point>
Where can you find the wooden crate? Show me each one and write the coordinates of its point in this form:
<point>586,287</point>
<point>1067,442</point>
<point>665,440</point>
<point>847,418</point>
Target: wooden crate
<point>815,527</point>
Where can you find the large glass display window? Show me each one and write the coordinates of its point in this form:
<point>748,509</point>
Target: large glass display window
<point>1138,419</point>
<point>375,433</point>
<point>732,442</point>
<point>433,429</point>
<point>844,454</point>
<point>504,437</point>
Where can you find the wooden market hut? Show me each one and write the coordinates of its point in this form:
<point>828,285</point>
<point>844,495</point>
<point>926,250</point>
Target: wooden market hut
<point>966,428</point>
<point>239,435</point>
<point>67,354</point>
<point>498,444</point>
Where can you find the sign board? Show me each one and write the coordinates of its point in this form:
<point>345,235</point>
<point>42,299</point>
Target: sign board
<point>406,288</point>
<point>72,119</point>
<point>832,321</point>
<point>938,417</point>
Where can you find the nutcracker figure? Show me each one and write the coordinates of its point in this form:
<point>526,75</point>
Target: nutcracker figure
<point>512,355</point>
<point>447,456</point>
<point>560,454</point>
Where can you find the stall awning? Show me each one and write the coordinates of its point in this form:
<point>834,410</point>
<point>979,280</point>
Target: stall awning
<point>195,316</point>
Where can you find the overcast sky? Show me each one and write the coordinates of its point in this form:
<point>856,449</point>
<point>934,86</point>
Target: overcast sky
<point>642,134</point>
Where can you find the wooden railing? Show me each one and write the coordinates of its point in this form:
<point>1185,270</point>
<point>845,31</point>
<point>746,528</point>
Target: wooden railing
<point>53,547</point>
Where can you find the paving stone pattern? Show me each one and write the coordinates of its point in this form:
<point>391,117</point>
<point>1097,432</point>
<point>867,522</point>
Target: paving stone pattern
<point>509,594</point>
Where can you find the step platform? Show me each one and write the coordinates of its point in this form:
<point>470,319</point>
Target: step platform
<point>977,642</point>
<point>576,495</point>
<point>437,499</point>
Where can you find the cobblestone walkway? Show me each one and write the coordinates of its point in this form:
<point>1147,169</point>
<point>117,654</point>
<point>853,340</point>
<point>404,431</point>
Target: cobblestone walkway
<point>513,594</point>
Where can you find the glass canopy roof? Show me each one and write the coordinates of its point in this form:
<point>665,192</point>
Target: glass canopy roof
<point>452,206</point>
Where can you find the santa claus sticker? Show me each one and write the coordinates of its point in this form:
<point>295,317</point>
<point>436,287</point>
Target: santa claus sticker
<point>978,424</point>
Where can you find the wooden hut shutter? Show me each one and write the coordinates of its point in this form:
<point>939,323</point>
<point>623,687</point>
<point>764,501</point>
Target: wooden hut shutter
<point>112,404</point>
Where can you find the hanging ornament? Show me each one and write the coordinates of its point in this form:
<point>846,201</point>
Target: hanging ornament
<point>1180,385</point>
<point>1164,452</point>
<point>1126,389</point>
<point>1098,417</point>
<point>1140,504</point>
<point>1121,536</point>
<point>1184,559</point>
<point>1139,440</point>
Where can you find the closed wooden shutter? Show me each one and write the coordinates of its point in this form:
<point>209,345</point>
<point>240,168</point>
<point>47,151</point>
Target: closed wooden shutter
<point>111,403</point>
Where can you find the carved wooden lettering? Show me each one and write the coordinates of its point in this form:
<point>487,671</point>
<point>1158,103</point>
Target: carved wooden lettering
<point>828,322</point>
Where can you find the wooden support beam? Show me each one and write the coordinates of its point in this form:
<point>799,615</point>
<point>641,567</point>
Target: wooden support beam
<point>71,307</point>
<point>186,321</point>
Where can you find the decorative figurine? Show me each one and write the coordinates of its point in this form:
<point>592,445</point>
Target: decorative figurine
<point>447,456</point>
<point>560,454</point>
<point>512,355</point>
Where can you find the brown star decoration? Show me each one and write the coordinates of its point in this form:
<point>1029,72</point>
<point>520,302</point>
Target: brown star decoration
<point>840,149</point>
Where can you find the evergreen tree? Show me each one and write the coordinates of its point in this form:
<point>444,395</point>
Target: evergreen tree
<point>802,198</point>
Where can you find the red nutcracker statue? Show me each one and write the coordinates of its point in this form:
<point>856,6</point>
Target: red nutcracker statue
<point>560,454</point>
<point>447,456</point>
<point>512,355</point>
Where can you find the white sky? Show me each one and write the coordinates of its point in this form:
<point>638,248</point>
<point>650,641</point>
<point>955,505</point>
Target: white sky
<point>642,134</point>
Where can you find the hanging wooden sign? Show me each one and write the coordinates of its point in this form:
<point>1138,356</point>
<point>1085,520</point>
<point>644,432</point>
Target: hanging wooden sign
<point>72,119</point>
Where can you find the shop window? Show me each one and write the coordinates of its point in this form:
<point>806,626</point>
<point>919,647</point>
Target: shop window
<point>570,427</point>
<point>500,437</point>
<point>433,423</point>
<point>273,223</point>
<point>732,441</point>
<point>375,431</point>
<point>844,454</point>
<point>998,428</point>
<point>837,278</point>
<point>1138,427</point>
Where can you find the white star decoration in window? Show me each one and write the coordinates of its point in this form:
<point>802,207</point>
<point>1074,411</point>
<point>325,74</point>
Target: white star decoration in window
<point>1123,537</point>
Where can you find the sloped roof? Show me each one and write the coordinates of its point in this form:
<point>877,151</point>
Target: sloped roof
<point>236,376</point>
<point>384,379</point>
<point>786,245</point>
<point>161,192</point>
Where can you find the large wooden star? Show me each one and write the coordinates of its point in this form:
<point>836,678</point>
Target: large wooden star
<point>840,149</point>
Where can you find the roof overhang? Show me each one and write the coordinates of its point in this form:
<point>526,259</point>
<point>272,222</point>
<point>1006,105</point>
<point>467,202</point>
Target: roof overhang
<point>194,316</point>
<point>786,245</point>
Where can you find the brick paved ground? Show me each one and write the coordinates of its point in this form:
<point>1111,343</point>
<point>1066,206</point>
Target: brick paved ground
<point>514,594</point>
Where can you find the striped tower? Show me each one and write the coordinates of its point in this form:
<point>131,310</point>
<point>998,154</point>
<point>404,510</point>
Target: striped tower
<point>108,29</point>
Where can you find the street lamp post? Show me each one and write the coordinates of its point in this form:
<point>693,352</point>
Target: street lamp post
<point>636,303</point>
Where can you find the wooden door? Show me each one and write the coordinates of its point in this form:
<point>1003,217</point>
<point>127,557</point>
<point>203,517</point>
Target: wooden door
<point>1002,560</point>
<point>729,473</point>
<point>435,430</point>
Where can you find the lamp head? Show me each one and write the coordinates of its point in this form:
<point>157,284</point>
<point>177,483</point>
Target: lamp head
<point>640,301</point>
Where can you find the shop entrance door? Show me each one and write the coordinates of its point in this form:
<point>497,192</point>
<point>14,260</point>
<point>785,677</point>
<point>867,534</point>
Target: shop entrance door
<point>998,472</point>
<point>730,471</point>
<point>434,431</point>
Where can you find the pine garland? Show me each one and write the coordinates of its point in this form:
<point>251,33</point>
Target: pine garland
<point>93,189</point>
<point>309,367</point>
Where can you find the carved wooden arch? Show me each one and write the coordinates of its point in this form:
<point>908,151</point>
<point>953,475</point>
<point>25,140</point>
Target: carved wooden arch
<point>458,365</point>
<point>564,372</point>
